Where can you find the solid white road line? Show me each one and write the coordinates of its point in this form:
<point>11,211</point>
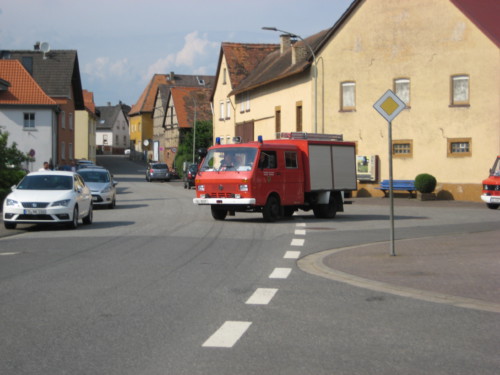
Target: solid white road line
<point>262,296</point>
<point>292,255</point>
<point>280,273</point>
<point>227,335</point>
<point>300,232</point>
<point>11,253</point>
<point>298,242</point>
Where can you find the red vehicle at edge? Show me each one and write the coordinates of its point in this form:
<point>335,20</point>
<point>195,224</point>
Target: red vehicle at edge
<point>491,187</point>
<point>278,177</point>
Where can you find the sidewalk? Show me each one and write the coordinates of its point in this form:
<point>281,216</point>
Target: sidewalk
<point>462,270</point>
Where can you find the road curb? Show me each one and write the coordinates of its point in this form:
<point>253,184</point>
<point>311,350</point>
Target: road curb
<point>314,264</point>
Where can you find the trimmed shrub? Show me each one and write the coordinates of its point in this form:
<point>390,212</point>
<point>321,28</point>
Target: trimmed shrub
<point>425,183</point>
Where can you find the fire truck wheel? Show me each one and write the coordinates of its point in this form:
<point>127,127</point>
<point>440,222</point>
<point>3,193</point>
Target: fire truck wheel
<point>271,210</point>
<point>326,211</point>
<point>218,214</point>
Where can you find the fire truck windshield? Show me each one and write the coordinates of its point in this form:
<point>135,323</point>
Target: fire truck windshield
<point>229,159</point>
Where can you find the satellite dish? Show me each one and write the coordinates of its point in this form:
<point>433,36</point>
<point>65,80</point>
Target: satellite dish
<point>146,143</point>
<point>45,47</point>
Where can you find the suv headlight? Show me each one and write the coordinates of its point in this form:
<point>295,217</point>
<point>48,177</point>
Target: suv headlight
<point>11,202</point>
<point>63,203</point>
<point>106,189</point>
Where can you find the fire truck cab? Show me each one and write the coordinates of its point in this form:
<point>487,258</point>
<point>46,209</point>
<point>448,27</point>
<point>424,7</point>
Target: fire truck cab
<point>491,187</point>
<point>277,177</point>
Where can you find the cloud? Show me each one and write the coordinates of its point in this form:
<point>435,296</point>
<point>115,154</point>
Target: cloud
<point>104,68</point>
<point>195,49</point>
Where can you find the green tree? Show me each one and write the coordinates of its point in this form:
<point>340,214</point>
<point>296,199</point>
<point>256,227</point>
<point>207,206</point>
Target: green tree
<point>11,160</point>
<point>185,150</point>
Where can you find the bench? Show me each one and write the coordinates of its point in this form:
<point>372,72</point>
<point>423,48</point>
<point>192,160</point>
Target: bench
<point>407,185</point>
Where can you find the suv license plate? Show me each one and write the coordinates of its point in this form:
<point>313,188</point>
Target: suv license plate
<point>35,211</point>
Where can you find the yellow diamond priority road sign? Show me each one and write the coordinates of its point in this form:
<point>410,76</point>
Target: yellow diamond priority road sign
<point>389,105</point>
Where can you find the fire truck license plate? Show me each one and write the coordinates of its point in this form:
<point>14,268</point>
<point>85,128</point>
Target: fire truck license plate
<point>495,200</point>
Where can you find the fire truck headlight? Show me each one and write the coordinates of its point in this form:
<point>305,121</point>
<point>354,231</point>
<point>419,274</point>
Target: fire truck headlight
<point>201,187</point>
<point>243,187</point>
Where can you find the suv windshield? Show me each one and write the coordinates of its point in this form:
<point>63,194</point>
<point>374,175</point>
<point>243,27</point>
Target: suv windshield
<point>159,166</point>
<point>46,182</point>
<point>94,176</point>
<point>229,159</point>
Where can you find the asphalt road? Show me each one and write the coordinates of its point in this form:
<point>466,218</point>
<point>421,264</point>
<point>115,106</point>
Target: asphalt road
<point>156,286</point>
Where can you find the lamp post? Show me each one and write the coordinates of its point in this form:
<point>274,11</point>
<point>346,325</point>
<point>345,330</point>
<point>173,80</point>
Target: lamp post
<point>292,35</point>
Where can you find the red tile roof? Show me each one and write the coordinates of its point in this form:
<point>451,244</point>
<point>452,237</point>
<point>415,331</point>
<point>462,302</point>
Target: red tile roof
<point>23,88</point>
<point>147,99</point>
<point>185,99</point>
<point>485,14</point>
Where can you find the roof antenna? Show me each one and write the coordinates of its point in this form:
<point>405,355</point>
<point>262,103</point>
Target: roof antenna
<point>45,47</point>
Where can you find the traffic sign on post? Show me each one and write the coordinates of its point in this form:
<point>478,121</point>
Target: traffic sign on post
<point>389,106</point>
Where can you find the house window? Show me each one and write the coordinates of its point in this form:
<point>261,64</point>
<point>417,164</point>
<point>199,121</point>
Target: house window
<point>116,137</point>
<point>105,139</point>
<point>63,119</point>
<point>70,156</point>
<point>402,90</point>
<point>348,96</point>
<point>224,74</point>
<point>402,148</point>
<point>70,120</point>
<point>228,109</point>
<point>298,116</point>
<point>29,120</point>
<point>63,151</point>
<point>459,147</point>
<point>460,90</point>
<point>248,101</point>
<point>221,108</point>
<point>277,119</point>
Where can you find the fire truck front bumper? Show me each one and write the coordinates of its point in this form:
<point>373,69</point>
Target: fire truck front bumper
<point>490,198</point>
<point>225,201</point>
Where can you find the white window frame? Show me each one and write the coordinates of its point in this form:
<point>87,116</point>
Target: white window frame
<point>222,111</point>
<point>29,123</point>
<point>402,89</point>
<point>348,96</point>
<point>460,94</point>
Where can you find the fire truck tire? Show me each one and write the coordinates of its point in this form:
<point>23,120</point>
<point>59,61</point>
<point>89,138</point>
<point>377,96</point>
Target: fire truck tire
<point>271,211</point>
<point>218,214</point>
<point>492,206</point>
<point>326,211</point>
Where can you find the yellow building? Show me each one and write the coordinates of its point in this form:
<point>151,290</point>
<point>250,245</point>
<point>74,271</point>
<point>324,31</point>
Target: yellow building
<point>441,57</point>
<point>85,129</point>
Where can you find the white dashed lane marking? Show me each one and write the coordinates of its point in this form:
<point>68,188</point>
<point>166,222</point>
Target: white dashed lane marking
<point>298,242</point>
<point>300,232</point>
<point>292,255</point>
<point>227,335</point>
<point>262,296</point>
<point>280,273</point>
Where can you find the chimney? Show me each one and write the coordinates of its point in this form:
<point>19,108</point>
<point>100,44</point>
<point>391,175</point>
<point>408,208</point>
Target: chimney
<point>299,53</point>
<point>36,47</point>
<point>171,77</point>
<point>109,104</point>
<point>286,43</point>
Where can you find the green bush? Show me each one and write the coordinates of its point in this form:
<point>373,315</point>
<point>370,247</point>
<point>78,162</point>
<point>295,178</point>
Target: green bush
<point>425,183</point>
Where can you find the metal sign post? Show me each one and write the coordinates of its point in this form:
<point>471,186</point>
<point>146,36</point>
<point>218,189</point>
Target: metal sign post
<point>389,106</point>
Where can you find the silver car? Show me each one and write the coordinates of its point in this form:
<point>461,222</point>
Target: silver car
<point>48,197</point>
<point>157,171</point>
<point>101,184</point>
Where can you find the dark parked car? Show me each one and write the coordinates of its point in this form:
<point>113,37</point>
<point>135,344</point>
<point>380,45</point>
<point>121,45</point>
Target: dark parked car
<point>190,175</point>
<point>157,171</point>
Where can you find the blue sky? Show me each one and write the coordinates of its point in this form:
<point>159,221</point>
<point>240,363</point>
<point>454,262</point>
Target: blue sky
<point>122,43</point>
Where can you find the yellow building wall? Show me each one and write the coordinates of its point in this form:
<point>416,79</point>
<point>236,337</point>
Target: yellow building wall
<point>426,41</point>
<point>85,125</point>
<point>286,94</point>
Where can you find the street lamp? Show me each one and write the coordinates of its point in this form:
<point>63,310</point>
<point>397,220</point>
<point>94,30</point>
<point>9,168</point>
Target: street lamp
<point>292,35</point>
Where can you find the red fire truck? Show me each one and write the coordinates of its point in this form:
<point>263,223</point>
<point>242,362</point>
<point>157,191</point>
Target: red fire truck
<point>491,187</point>
<point>278,177</point>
